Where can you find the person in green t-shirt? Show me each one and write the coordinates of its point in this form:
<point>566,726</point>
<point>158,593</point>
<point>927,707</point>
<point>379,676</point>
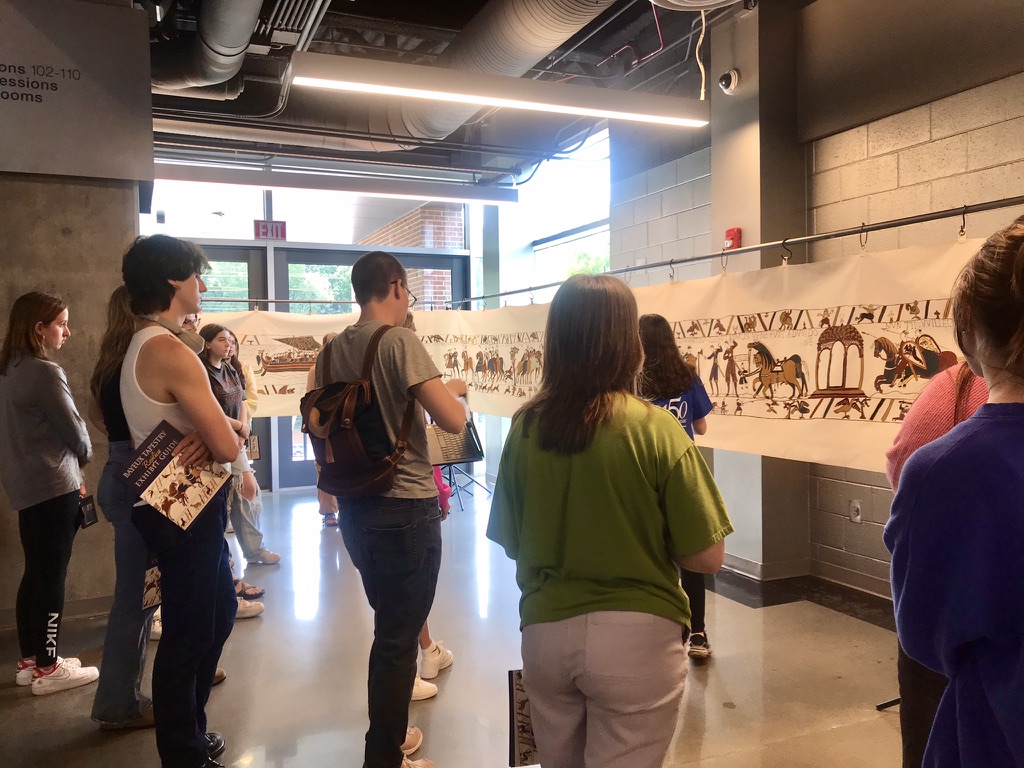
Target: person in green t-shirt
<point>599,497</point>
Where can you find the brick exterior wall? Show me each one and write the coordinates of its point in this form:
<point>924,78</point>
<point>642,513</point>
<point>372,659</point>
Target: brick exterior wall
<point>434,225</point>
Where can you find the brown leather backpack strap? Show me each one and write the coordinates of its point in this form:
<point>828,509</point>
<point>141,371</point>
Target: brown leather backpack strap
<point>324,362</point>
<point>371,351</point>
<point>403,435</point>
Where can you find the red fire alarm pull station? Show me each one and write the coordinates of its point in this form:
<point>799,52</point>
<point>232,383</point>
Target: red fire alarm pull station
<point>733,238</point>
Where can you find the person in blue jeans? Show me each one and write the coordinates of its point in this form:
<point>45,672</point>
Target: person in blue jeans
<point>162,379</point>
<point>119,701</point>
<point>669,382</point>
<point>394,539</point>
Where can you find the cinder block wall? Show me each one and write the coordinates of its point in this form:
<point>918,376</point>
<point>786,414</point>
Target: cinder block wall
<point>967,148</point>
<point>662,213</point>
<point>964,149</point>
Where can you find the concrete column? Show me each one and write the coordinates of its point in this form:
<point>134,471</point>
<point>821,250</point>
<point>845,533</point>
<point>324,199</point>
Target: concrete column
<point>66,236</point>
<point>757,183</point>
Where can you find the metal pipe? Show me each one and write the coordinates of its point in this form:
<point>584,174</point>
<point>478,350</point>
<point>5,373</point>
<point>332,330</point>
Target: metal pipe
<point>921,218</point>
<point>215,53</point>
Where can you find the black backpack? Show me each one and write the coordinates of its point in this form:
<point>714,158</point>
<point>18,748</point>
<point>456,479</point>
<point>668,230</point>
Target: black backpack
<point>346,428</point>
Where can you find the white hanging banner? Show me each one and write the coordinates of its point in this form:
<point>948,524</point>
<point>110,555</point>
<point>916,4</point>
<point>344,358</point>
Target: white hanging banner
<point>815,362</point>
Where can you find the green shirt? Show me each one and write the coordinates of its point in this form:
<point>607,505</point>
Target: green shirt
<point>596,530</point>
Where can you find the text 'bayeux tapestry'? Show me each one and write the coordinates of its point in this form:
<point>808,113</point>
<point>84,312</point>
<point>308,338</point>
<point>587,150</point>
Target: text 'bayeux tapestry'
<point>817,362</point>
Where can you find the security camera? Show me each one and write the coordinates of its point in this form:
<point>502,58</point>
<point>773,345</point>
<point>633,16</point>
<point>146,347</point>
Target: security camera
<point>729,81</point>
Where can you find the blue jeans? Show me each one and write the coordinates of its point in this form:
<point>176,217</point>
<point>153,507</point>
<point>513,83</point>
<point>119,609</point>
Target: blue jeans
<point>198,612</point>
<point>119,698</point>
<point>245,519</point>
<point>396,545</point>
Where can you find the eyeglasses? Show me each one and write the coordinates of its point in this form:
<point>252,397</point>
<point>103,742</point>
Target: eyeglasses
<point>411,294</point>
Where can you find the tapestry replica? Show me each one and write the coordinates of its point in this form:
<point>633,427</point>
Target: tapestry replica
<point>815,362</point>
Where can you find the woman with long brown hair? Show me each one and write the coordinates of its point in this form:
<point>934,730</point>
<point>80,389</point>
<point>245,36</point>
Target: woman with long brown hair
<point>119,701</point>
<point>669,382</point>
<point>599,496</point>
<point>43,446</point>
<point>956,531</point>
<point>244,503</point>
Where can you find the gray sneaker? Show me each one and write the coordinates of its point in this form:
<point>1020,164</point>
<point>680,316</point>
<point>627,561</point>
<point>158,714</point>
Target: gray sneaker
<point>247,609</point>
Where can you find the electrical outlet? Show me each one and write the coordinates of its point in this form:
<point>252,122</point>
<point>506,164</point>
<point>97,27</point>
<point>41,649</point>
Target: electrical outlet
<point>855,511</point>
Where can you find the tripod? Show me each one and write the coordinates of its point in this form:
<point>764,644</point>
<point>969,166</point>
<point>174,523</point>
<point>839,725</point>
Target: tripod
<point>466,485</point>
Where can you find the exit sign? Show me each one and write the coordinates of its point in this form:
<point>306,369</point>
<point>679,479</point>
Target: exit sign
<point>269,230</point>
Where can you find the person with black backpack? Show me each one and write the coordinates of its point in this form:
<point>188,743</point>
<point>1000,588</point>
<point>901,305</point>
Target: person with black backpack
<point>390,521</point>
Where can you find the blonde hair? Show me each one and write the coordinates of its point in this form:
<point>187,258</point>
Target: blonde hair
<point>121,326</point>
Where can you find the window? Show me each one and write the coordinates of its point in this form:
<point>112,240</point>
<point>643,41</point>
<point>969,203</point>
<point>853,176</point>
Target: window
<point>201,210</point>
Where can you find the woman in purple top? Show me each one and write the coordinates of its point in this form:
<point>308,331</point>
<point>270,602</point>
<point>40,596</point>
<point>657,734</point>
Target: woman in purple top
<point>669,382</point>
<point>957,530</point>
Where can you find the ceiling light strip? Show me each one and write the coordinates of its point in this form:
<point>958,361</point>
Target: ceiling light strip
<point>388,188</point>
<point>365,76</point>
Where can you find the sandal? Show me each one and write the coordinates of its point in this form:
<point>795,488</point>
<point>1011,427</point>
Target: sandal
<point>248,591</point>
<point>330,520</point>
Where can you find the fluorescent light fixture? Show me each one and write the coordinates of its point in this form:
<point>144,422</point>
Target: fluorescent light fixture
<point>345,73</point>
<point>434,191</point>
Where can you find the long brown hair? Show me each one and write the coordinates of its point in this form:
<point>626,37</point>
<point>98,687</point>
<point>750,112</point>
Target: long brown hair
<point>989,297</point>
<point>209,332</point>
<point>21,339</point>
<point>665,372</point>
<point>592,355</point>
<point>121,326</point>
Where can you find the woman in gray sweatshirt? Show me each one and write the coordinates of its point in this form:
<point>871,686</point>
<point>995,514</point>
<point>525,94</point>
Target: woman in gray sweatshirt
<point>43,445</point>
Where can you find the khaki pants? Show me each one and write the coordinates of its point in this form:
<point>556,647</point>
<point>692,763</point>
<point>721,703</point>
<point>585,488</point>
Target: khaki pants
<point>605,688</point>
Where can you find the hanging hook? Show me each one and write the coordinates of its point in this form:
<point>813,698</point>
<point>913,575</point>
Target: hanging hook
<point>789,253</point>
<point>863,236</point>
<point>671,271</point>
<point>531,296</point>
<point>963,223</point>
<point>724,259</point>
<point>309,308</point>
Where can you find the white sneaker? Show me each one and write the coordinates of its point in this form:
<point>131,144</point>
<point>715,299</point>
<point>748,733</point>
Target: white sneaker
<point>63,677</point>
<point>247,609</point>
<point>156,627</point>
<point>434,659</point>
<point>421,690</point>
<point>24,673</point>
<point>413,739</point>
<point>421,763</point>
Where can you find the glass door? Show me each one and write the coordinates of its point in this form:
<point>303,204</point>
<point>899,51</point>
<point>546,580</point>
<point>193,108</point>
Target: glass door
<point>316,275</point>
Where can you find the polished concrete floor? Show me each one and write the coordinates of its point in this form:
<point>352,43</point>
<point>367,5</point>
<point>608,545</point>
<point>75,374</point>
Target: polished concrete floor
<point>792,683</point>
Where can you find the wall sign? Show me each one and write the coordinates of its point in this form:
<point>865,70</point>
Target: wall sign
<point>74,90</point>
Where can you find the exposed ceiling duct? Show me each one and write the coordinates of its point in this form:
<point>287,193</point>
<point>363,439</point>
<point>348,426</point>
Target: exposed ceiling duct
<point>507,37</point>
<point>211,56</point>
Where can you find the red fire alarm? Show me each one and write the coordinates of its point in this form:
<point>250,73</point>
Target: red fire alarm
<point>733,238</point>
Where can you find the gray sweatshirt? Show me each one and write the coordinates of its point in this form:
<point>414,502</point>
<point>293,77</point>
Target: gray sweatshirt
<point>43,439</point>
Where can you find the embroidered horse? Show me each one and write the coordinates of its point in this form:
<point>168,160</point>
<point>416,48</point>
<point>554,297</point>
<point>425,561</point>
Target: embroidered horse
<point>771,372</point>
<point>921,358</point>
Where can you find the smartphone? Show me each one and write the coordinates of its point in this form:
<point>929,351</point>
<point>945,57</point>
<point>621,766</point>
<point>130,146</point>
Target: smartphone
<point>86,512</point>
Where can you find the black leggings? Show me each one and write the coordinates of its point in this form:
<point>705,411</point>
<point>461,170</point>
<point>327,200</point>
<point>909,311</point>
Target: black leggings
<point>693,586</point>
<point>47,533</point>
